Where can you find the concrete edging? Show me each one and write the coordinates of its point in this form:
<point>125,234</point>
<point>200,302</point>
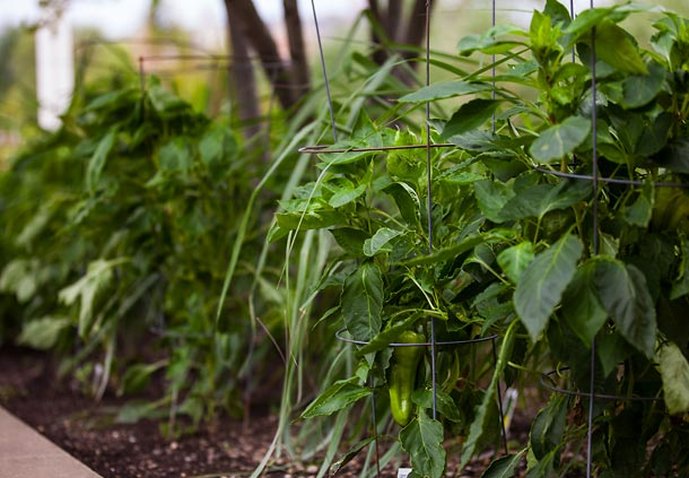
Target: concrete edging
<point>25,453</point>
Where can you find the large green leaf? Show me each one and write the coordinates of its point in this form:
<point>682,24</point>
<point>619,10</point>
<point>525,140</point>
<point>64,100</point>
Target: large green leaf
<point>339,395</point>
<point>581,308</point>
<point>674,371</point>
<point>616,48</point>
<point>480,424</point>
<point>514,260</point>
<point>624,294</point>
<point>362,302</point>
<point>560,140</point>
<point>470,116</point>
<point>423,440</point>
<point>446,89</point>
<point>542,284</point>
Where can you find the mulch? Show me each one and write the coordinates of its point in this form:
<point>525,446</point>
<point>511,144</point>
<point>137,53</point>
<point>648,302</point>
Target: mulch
<point>85,429</point>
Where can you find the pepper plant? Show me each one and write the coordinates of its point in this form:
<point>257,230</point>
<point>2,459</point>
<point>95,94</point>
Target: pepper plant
<point>527,246</point>
<point>114,225</point>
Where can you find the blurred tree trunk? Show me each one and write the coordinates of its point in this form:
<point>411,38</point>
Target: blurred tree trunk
<point>243,80</point>
<point>392,32</point>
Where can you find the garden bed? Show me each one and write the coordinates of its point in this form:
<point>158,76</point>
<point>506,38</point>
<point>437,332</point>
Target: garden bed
<point>85,429</point>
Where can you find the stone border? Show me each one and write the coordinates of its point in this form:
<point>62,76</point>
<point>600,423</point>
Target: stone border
<point>25,453</point>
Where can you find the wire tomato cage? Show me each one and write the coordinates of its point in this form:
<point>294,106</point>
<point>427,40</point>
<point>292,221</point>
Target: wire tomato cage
<point>547,379</point>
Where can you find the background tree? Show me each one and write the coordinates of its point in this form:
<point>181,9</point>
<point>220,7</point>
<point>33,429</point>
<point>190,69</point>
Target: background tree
<point>397,27</point>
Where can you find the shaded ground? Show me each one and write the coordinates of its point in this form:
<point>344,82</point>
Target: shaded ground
<point>76,424</point>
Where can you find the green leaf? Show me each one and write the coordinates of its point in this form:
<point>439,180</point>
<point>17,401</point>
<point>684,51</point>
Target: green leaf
<point>422,438</point>
<point>449,252</point>
<point>557,12</point>
<point>349,456</point>
<point>504,467</point>
<point>387,336</point>
<point>542,284</point>
<point>480,424</point>
<point>639,90</point>
<point>446,89</point>
<point>315,217</point>
<point>137,377</point>
<point>446,406</point>
<point>674,371</point>
<point>549,426</point>
<point>514,260</point>
<point>681,285</point>
<point>612,349</point>
<point>42,334</point>
<point>336,397</point>
<point>489,41</point>
<point>350,239</point>
<point>346,195</point>
<point>134,411</point>
<point>22,278</point>
<point>379,242</point>
<point>640,212</point>
<point>624,294</point>
<point>470,116</point>
<point>492,197</point>
<point>96,164</point>
<point>407,201</point>
<point>362,302</point>
<point>581,308</point>
<point>97,278</point>
<point>560,140</point>
<point>616,48</point>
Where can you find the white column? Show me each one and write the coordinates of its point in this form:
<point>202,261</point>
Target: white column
<point>54,70</point>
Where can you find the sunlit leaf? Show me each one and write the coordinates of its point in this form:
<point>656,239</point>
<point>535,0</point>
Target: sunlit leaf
<point>674,371</point>
<point>560,140</point>
<point>43,333</point>
<point>362,302</point>
<point>338,396</point>
<point>422,438</point>
<point>514,260</point>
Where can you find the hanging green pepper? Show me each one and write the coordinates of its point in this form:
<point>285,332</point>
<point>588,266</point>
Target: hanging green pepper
<point>405,361</point>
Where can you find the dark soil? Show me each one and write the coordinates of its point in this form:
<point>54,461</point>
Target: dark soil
<point>76,423</point>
